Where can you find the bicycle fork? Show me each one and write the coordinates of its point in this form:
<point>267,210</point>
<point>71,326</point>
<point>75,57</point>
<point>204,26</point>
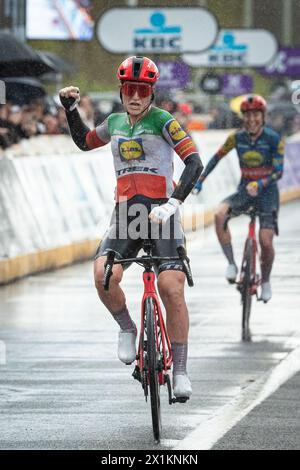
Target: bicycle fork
<point>164,359</point>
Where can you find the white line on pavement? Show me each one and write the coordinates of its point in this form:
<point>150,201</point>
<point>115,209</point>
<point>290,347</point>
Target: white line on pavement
<point>209,432</point>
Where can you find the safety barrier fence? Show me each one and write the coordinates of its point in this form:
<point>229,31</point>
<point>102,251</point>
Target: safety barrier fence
<point>56,201</point>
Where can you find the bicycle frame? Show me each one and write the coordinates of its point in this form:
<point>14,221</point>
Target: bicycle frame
<point>252,237</point>
<point>161,335</point>
<point>150,291</point>
<point>249,279</point>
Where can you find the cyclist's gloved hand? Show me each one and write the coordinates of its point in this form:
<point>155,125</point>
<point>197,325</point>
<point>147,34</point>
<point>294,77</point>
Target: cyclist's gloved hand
<point>162,213</point>
<point>69,97</point>
<point>253,188</point>
<point>198,187</point>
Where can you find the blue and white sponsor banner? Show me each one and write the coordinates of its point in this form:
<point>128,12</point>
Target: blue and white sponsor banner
<point>153,30</point>
<point>237,48</point>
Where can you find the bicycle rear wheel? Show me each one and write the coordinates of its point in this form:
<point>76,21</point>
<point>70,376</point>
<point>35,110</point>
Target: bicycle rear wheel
<point>152,361</point>
<point>246,290</point>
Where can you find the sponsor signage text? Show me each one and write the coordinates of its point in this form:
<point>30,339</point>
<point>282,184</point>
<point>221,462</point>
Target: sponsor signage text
<point>237,48</point>
<point>153,30</point>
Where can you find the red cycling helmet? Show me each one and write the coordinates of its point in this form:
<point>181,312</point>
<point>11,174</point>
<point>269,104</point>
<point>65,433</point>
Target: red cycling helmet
<point>253,103</point>
<point>138,69</point>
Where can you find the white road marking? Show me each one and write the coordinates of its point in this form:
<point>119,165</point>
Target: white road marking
<point>212,430</point>
<point>171,443</point>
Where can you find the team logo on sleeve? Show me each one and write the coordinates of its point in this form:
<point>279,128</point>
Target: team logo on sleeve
<point>131,150</point>
<point>230,143</point>
<point>280,149</point>
<point>175,131</point>
<point>252,159</point>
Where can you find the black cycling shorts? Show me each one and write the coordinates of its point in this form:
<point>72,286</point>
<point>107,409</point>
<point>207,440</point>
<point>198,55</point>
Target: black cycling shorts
<point>267,203</point>
<point>130,226</point>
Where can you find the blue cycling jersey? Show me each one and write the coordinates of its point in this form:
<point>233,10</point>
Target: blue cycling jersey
<point>260,160</point>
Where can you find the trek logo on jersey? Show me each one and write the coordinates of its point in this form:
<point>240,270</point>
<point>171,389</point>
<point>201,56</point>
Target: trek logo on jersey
<point>131,150</point>
<point>252,159</point>
<point>175,131</point>
<point>137,169</point>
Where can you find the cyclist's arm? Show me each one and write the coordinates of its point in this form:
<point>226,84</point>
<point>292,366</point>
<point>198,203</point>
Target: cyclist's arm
<point>224,150</point>
<point>185,148</point>
<point>189,177</point>
<point>278,161</point>
<point>83,137</point>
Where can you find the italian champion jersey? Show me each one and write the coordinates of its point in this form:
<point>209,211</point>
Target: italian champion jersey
<point>143,153</point>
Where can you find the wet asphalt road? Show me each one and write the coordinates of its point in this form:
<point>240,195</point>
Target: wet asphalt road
<point>275,424</point>
<point>62,386</point>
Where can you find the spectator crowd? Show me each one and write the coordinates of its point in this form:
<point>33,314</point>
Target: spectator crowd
<point>38,118</point>
<point>22,122</point>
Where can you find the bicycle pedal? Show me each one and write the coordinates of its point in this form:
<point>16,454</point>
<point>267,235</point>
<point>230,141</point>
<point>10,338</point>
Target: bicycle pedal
<point>136,374</point>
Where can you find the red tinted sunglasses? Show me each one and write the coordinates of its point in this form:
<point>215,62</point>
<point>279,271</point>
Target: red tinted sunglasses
<point>142,89</point>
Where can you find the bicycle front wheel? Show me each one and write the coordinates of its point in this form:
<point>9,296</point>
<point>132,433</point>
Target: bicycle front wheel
<point>246,291</point>
<point>152,361</point>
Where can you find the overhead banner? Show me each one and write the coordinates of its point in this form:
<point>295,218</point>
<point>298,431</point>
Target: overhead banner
<point>153,30</point>
<point>173,74</point>
<point>237,48</point>
<point>211,84</point>
<point>285,64</point>
<point>236,84</point>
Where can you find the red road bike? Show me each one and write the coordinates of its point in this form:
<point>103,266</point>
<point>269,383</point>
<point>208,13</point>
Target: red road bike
<point>154,358</point>
<point>249,280</point>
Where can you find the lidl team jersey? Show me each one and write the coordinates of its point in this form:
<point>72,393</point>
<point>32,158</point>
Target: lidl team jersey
<point>143,153</point>
<point>259,160</point>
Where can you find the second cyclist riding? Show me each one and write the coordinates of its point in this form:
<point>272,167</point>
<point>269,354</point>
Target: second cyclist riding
<point>249,280</point>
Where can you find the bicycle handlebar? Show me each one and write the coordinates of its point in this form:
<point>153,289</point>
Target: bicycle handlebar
<point>145,260</point>
<point>186,265</point>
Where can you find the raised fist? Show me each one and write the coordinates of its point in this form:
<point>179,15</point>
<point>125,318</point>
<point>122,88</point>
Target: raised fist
<point>69,97</point>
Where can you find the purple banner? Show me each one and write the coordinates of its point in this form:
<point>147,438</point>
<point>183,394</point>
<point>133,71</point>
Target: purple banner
<point>175,75</point>
<point>291,174</point>
<point>236,84</point>
<point>286,63</point>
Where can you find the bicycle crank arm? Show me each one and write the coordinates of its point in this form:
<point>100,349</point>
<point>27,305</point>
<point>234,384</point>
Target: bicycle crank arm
<point>136,374</point>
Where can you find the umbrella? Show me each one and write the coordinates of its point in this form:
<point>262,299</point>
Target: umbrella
<point>22,90</point>
<point>18,59</point>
